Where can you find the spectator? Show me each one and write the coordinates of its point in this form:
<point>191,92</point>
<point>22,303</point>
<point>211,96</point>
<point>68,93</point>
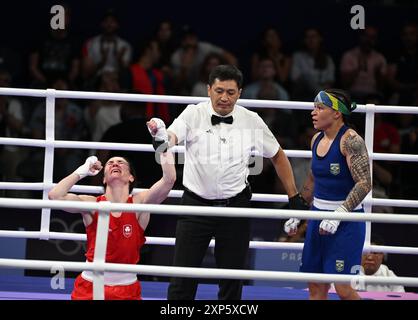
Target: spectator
<point>266,88</point>
<point>363,69</point>
<point>270,45</point>
<point>386,135</point>
<point>148,79</point>
<point>11,60</point>
<point>372,263</point>
<point>403,70</point>
<point>266,75</point>
<point>200,88</point>
<point>105,52</point>
<point>11,125</point>
<point>187,60</point>
<point>69,125</point>
<point>102,114</point>
<point>167,42</point>
<point>55,57</point>
<point>312,68</point>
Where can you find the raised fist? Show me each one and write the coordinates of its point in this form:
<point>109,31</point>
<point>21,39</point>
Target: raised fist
<point>91,167</point>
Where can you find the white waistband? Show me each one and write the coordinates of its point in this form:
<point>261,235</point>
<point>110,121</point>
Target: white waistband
<point>330,205</point>
<point>112,278</point>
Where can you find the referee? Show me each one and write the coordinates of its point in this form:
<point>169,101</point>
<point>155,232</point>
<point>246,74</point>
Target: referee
<point>219,137</point>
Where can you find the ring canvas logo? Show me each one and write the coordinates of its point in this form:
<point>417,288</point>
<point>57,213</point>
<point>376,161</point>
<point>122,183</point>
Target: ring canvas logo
<point>334,168</point>
<point>339,265</point>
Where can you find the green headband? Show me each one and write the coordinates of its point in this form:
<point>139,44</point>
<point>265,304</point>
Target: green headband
<point>334,103</point>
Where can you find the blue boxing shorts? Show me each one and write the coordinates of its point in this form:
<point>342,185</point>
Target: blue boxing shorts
<point>338,253</point>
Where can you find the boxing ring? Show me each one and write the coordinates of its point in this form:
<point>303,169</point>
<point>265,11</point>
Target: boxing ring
<point>98,266</point>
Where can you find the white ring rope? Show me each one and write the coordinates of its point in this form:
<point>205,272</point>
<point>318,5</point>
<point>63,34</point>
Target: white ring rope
<point>198,210</point>
<point>171,241</point>
<point>266,197</point>
<point>209,273</point>
<point>275,104</point>
<point>207,211</point>
<point>98,265</point>
<point>180,149</point>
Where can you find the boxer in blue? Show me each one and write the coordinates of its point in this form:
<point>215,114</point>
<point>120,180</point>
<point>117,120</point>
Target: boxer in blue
<point>339,180</point>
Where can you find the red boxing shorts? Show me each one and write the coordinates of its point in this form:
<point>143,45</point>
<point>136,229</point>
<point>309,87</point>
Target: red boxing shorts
<point>83,290</point>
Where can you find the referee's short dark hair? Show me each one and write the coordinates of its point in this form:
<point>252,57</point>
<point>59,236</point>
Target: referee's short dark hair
<point>226,72</point>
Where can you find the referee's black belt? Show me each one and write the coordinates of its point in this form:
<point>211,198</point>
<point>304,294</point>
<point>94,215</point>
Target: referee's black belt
<point>217,202</point>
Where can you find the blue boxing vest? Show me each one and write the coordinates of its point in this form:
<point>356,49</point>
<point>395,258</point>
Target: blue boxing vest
<point>332,177</point>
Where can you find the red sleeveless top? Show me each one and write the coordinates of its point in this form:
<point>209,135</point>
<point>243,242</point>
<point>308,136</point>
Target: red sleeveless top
<point>125,237</point>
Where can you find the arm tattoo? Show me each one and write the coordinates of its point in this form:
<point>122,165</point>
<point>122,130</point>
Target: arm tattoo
<point>356,151</point>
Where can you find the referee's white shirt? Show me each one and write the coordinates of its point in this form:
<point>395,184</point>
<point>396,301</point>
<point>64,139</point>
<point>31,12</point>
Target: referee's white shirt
<point>217,157</point>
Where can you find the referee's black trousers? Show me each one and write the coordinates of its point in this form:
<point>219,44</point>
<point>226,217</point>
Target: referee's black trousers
<point>193,235</point>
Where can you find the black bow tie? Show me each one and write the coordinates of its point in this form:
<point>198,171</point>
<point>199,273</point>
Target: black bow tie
<point>216,120</point>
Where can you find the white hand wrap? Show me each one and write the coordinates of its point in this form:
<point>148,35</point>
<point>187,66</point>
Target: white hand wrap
<point>161,134</point>
<point>331,226</point>
<point>291,225</point>
<point>86,169</point>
